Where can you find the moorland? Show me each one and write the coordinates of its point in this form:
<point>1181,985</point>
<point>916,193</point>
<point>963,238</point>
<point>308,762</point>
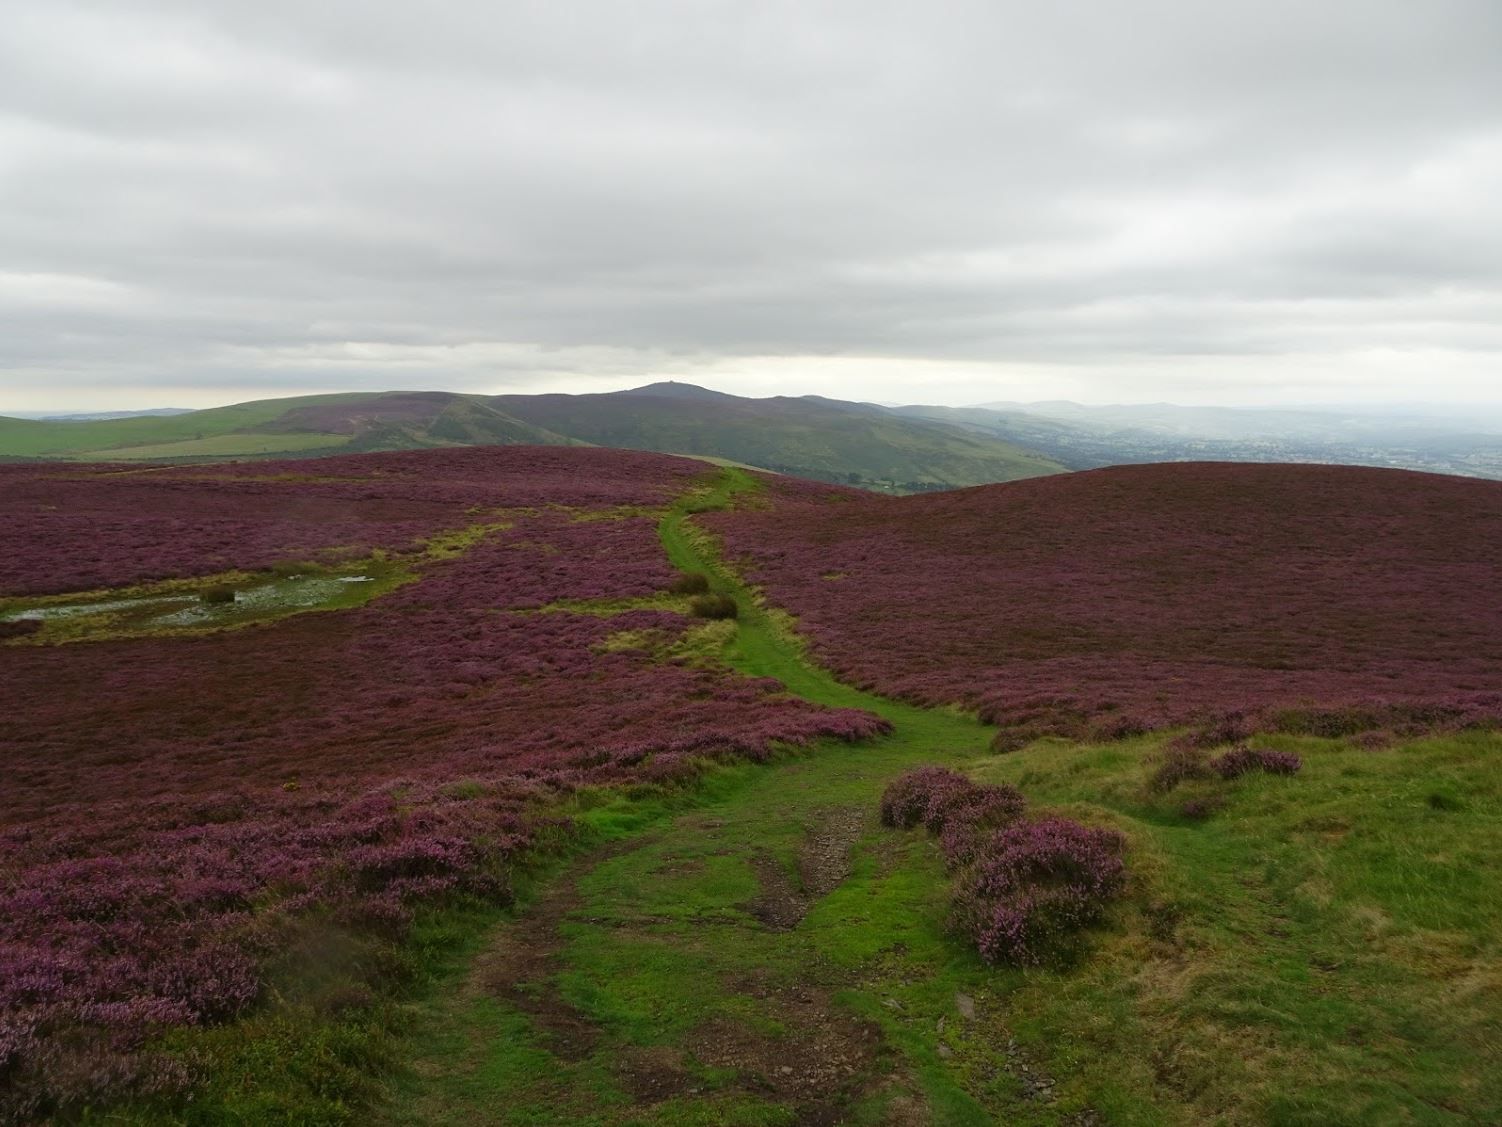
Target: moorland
<point>597,786</point>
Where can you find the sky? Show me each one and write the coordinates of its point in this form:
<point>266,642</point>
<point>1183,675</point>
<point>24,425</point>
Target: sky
<point>207,201</point>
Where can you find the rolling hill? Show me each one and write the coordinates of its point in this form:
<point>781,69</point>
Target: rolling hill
<point>812,437</point>
<point>305,425</point>
<point>807,436</point>
<point>1138,597</point>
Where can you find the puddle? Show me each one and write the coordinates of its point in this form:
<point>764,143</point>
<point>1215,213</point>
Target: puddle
<point>186,609</point>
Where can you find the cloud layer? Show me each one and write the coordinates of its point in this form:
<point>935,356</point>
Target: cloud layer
<point>954,201</point>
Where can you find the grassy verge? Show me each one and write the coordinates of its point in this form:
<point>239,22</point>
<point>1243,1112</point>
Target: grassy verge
<point>1321,949</point>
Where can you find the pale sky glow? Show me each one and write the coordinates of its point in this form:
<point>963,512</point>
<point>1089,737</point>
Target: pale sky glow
<point>953,201</point>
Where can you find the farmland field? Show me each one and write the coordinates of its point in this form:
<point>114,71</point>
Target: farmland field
<point>520,839</point>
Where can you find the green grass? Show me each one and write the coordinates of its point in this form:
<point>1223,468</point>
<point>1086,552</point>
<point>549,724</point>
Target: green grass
<point>51,438</point>
<point>221,446</point>
<point>1323,949</point>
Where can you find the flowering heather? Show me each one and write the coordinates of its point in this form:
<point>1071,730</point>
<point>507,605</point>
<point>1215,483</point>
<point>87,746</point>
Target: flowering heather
<point>906,799</point>
<point>948,804</point>
<point>1179,764</point>
<point>1034,884</point>
<point>178,809</point>
<point>1024,887</point>
<point>1244,760</point>
<point>1321,599</point>
<point>75,527</point>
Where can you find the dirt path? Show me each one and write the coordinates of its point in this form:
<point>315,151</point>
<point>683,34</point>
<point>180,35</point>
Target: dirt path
<point>823,863</point>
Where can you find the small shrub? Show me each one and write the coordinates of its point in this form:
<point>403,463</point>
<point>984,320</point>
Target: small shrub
<point>217,595</point>
<point>968,821</point>
<point>1243,760</point>
<point>906,800</point>
<point>1034,885</point>
<point>291,569</point>
<point>1179,764</point>
<point>1440,800</point>
<point>714,606</point>
<point>1227,728</point>
<point>947,803</point>
<point>691,583</point>
<point>1198,809</point>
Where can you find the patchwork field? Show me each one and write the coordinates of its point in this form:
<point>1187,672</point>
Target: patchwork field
<point>517,828</point>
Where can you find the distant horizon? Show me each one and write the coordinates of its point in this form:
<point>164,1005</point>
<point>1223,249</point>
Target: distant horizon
<point>1428,406</point>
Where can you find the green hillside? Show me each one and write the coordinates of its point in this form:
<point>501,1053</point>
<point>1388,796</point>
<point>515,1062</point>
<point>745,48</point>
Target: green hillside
<point>825,439</point>
<point>301,425</point>
<point>48,438</point>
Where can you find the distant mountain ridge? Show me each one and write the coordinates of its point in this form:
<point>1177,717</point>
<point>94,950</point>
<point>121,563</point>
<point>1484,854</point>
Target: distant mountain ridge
<point>91,416</point>
<point>904,449</point>
<point>824,439</point>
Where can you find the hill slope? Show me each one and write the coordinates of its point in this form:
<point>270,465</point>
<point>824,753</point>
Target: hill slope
<point>818,438</point>
<point>824,439</point>
<point>1139,596</point>
<point>311,424</point>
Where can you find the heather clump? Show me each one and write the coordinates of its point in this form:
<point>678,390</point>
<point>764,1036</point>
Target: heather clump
<point>1024,888</point>
<point>1200,808</point>
<point>950,806</point>
<point>906,800</point>
<point>971,817</point>
<point>713,606</point>
<point>1179,763</point>
<point>1034,885</point>
<point>1182,761</point>
<point>1244,760</point>
<point>690,583</point>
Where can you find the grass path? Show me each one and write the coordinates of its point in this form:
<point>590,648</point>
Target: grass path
<point>770,956</point>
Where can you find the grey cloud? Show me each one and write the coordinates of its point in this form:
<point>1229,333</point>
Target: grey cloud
<point>534,191</point>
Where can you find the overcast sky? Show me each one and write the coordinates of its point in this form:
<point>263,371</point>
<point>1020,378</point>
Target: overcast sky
<point>1250,201</point>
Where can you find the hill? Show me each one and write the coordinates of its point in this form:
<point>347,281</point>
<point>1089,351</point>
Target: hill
<point>822,439</point>
<point>810,437</point>
<point>305,425</point>
<point>1141,596</point>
